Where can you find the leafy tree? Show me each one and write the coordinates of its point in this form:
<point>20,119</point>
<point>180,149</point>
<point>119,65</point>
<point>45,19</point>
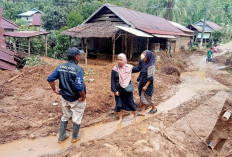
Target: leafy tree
<point>74,18</point>
<point>20,22</point>
<point>54,19</point>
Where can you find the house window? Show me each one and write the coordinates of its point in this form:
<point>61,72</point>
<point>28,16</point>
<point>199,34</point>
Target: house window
<point>27,18</point>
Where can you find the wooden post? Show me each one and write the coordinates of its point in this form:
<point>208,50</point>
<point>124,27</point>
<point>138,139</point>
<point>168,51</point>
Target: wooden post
<point>125,51</point>
<point>113,40</point>
<point>15,45</point>
<point>46,46</point>
<point>147,43</point>
<point>86,53</point>
<point>70,42</point>
<point>29,46</point>
<point>131,49</point>
<point>82,43</point>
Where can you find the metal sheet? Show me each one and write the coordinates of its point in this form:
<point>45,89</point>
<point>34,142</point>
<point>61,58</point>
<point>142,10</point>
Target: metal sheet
<point>134,31</point>
<point>7,66</point>
<point>164,36</point>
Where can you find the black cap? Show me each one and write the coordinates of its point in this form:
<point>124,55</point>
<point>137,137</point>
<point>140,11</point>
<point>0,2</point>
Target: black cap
<point>72,52</point>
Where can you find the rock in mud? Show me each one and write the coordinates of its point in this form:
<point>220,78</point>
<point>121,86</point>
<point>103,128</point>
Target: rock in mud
<point>53,134</point>
<point>31,136</point>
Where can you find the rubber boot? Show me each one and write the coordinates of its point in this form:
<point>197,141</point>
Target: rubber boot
<point>63,136</point>
<point>75,135</point>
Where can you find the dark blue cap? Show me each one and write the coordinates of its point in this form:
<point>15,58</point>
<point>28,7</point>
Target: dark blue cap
<point>72,52</point>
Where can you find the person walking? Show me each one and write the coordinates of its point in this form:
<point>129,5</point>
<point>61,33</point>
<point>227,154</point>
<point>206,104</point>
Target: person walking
<point>209,55</point>
<point>146,80</point>
<point>73,92</point>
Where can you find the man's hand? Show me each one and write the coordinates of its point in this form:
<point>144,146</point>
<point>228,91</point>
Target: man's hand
<point>57,91</point>
<point>82,98</point>
<point>116,93</point>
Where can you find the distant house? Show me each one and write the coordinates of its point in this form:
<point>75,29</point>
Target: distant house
<point>7,25</point>
<point>182,42</point>
<point>33,17</point>
<point>112,30</point>
<point>197,27</point>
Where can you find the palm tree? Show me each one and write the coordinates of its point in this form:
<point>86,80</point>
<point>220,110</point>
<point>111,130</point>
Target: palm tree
<point>171,11</point>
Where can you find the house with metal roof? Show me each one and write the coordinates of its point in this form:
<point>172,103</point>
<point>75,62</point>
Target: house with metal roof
<point>8,25</point>
<point>32,17</point>
<point>197,27</point>
<point>112,29</point>
<point>183,42</point>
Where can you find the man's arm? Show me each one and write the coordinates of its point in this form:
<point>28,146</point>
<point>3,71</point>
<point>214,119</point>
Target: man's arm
<point>80,86</point>
<point>51,80</point>
<point>52,85</point>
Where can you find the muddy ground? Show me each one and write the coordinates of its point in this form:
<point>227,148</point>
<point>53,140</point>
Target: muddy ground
<point>158,136</point>
<point>190,95</point>
<point>183,131</point>
<point>27,109</point>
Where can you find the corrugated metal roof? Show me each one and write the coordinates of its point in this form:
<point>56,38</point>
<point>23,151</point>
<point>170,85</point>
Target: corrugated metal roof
<point>134,31</point>
<point>151,31</point>
<point>7,24</point>
<point>181,27</point>
<point>199,29</point>
<point>142,21</point>
<point>30,13</point>
<point>25,34</point>
<point>6,57</point>
<point>213,25</point>
<point>7,66</point>
<point>36,21</point>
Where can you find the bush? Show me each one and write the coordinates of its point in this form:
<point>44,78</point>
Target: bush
<point>34,60</point>
<point>193,48</point>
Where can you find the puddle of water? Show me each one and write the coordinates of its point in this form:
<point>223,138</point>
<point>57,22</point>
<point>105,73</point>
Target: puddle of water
<point>192,83</point>
<point>49,145</point>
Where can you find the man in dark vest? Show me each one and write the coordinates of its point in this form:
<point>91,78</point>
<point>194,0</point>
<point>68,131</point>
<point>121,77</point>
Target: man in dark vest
<point>73,92</point>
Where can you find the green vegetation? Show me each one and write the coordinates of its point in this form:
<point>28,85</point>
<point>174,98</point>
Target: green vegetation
<point>34,60</point>
<point>63,14</point>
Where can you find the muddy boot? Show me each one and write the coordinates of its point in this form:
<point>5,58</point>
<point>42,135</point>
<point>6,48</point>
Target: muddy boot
<point>75,135</point>
<point>63,136</point>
